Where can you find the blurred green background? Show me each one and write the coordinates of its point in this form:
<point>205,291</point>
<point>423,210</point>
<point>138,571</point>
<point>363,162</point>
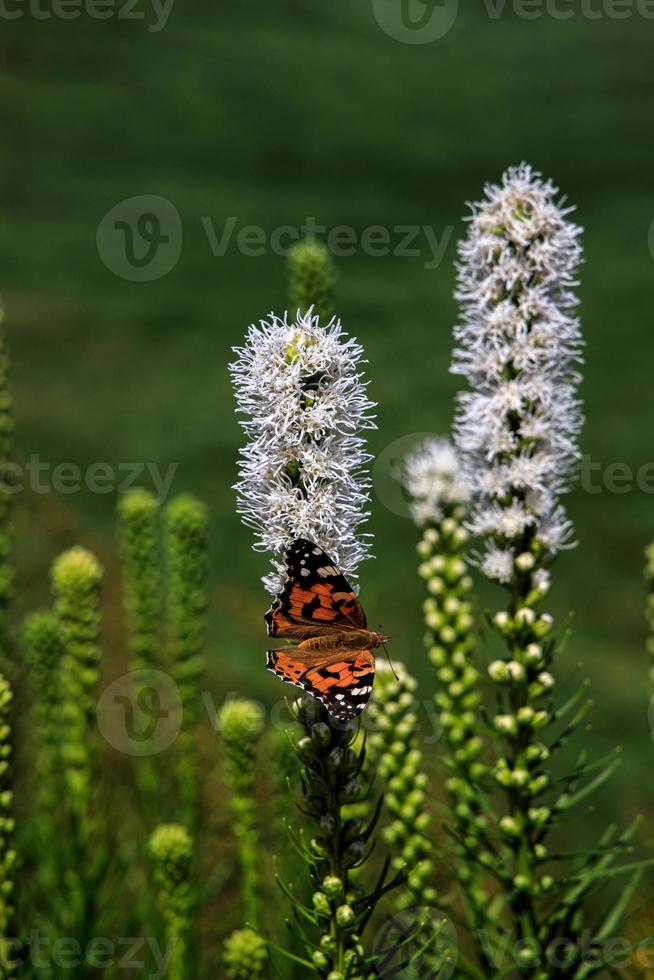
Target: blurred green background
<point>269,113</point>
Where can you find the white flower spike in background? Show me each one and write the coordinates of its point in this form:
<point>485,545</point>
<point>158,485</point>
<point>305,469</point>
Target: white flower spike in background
<point>303,470</point>
<point>518,343</point>
<point>433,477</point>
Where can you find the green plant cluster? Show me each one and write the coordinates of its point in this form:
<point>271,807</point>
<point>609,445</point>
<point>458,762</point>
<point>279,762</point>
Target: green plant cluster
<point>451,640</point>
<point>395,756</point>
<point>547,896</point>
<point>331,925</point>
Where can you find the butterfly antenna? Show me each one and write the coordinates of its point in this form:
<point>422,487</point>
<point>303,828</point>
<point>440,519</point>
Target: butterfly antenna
<point>390,663</point>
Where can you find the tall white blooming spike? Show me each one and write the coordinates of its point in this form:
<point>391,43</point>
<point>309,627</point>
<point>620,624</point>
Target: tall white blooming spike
<point>303,470</point>
<point>434,479</point>
<point>518,342</point>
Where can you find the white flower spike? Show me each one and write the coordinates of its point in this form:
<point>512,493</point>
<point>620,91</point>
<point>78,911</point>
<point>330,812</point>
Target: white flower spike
<point>434,478</point>
<point>518,346</point>
<point>303,472</point>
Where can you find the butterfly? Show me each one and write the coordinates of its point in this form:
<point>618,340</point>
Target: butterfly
<point>332,657</point>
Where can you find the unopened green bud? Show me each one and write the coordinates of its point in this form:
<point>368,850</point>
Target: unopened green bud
<point>320,961</point>
<point>333,887</point>
<point>345,916</point>
<point>510,826</point>
<point>525,616</point>
<point>321,903</point>
<point>525,716</point>
<point>502,620</point>
<point>519,778</point>
<point>431,536</point>
<point>497,671</point>
<point>525,561</point>
<point>515,671</point>
<point>533,654</point>
<point>505,724</point>
<point>543,626</point>
<point>320,734</point>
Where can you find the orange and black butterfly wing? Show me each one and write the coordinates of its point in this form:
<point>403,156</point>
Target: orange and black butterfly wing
<point>316,597</point>
<point>343,683</point>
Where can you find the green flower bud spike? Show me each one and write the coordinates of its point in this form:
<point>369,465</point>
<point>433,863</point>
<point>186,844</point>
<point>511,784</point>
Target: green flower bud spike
<point>241,724</point>
<point>7,853</point>
<point>439,497</point>
<point>6,569</point>
<point>170,849</point>
<point>311,279</point>
<point>649,613</point>
<point>392,752</point>
<point>42,641</point>
<point>138,532</point>
<point>186,566</point>
<point>140,551</point>
<point>333,787</point>
<point>246,956</point>
<point>76,577</point>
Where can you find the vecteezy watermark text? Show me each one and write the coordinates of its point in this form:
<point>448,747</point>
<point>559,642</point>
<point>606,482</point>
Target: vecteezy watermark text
<point>589,475</point>
<point>400,241</point>
<point>142,953</point>
<point>425,21</point>
<point>141,238</point>
<point>566,9</point>
<point>561,953</point>
<point>155,16</point>
<point>42,477</point>
<point>139,713</point>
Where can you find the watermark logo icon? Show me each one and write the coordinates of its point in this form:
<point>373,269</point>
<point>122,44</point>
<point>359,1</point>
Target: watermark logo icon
<point>415,21</point>
<point>416,944</point>
<point>140,713</point>
<point>140,238</point>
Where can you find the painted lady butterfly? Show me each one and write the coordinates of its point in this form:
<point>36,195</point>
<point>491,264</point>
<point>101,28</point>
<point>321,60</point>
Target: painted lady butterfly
<point>332,658</point>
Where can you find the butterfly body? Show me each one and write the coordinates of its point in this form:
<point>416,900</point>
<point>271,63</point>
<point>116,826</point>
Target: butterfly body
<point>332,657</point>
<point>354,640</point>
